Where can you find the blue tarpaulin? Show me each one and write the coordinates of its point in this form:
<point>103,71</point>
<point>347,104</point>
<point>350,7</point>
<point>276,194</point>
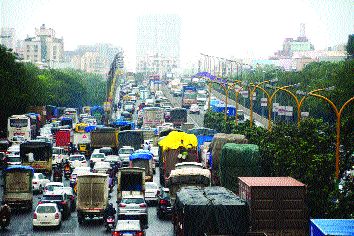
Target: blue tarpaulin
<point>16,167</point>
<point>90,128</point>
<point>322,227</point>
<point>141,155</point>
<point>202,139</point>
<point>231,110</point>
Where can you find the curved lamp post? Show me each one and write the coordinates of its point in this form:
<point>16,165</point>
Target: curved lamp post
<point>251,92</point>
<point>338,114</point>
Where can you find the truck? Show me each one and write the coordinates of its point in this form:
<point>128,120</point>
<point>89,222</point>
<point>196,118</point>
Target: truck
<point>209,211</point>
<point>130,181</point>
<point>38,155</point>
<point>277,205</point>
<point>63,138</point>
<point>175,148</point>
<point>18,187</point>
<point>98,113</point>
<point>82,142</point>
<point>134,138</point>
<point>187,176</point>
<point>104,137</point>
<point>92,195</point>
<point>41,110</point>
<point>143,159</point>
<point>238,160</point>
<point>153,116</point>
<point>178,116</point>
<point>189,96</point>
<point>67,121</point>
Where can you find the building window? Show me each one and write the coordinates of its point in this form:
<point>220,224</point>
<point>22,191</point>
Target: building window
<point>35,48</point>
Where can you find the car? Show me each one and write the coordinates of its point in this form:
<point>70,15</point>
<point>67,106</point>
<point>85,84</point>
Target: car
<point>106,151</point>
<point>39,181</point>
<point>96,157</point>
<point>77,160</point>
<point>61,199</point>
<point>49,187</point>
<point>102,167</point>
<point>71,195</point>
<point>76,172</point>
<point>133,207</point>
<point>194,109</point>
<point>124,154</point>
<point>128,227</point>
<point>47,214</point>
<point>151,192</point>
<point>155,151</point>
<point>164,207</point>
<point>13,159</point>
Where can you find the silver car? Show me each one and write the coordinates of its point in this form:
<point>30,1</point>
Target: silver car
<point>133,207</point>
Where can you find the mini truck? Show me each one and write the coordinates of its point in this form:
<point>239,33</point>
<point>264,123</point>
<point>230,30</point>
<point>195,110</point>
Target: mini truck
<point>92,195</point>
<point>130,181</point>
<point>18,187</point>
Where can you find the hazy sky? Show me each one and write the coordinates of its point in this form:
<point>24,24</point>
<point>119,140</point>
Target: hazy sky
<point>225,28</point>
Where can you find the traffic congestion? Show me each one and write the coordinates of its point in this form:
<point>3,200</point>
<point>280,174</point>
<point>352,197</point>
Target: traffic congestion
<point>147,167</point>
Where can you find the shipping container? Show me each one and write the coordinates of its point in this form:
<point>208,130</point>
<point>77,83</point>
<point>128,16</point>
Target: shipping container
<point>327,227</point>
<point>277,205</point>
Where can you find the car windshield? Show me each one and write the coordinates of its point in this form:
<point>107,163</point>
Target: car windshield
<point>51,187</point>
<point>67,190</point>
<point>132,200</point>
<point>52,198</point>
<point>112,158</point>
<point>102,165</point>
<point>126,151</point>
<point>46,209</point>
<point>14,159</point>
<point>76,158</point>
<point>56,151</point>
<point>97,155</point>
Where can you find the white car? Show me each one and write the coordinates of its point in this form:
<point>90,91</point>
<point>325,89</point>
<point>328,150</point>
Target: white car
<point>77,160</point>
<point>96,157</point>
<point>49,187</point>
<point>102,167</point>
<point>47,214</point>
<point>151,192</point>
<point>39,181</point>
<point>14,149</point>
<point>76,172</point>
<point>194,109</point>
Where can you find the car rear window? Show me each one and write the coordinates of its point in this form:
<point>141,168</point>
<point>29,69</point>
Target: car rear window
<point>46,209</point>
<point>53,197</point>
<point>132,200</point>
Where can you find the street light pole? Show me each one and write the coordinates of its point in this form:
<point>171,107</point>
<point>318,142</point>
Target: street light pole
<point>251,91</point>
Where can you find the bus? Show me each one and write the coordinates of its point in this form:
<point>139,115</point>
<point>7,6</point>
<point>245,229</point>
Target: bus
<point>38,155</point>
<point>19,125</point>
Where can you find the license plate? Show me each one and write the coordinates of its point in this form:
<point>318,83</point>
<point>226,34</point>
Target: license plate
<point>4,220</point>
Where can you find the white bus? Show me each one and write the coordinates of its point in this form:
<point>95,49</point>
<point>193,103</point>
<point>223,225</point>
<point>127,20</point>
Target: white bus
<point>19,125</point>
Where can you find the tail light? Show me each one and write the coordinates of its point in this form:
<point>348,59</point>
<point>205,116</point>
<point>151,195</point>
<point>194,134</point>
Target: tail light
<point>140,233</point>
<point>63,202</point>
<point>56,215</point>
<point>122,205</point>
<point>115,233</point>
<point>35,216</point>
<point>34,182</point>
<point>40,203</point>
<point>142,205</point>
<point>83,162</point>
<point>163,202</point>
<point>94,171</point>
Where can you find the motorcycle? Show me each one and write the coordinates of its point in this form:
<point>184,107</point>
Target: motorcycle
<point>67,172</point>
<point>110,222</point>
<point>5,215</point>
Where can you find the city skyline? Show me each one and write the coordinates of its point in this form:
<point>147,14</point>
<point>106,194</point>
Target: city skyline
<point>229,29</point>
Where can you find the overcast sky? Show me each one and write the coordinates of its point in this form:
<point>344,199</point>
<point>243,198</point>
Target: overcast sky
<point>225,28</point>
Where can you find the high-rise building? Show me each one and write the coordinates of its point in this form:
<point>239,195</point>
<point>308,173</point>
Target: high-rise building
<point>7,38</point>
<point>158,44</point>
<point>44,48</point>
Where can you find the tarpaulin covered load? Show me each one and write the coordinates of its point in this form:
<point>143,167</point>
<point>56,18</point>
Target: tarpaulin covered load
<point>90,128</point>
<point>216,146</point>
<point>238,160</point>
<point>213,210</point>
<point>141,156</point>
<point>175,140</point>
<point>202,139</point>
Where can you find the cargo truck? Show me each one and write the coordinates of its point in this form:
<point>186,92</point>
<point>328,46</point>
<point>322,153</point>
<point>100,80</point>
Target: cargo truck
<point>153,117</point>
<point>189,96</point>
<point>105,137</point>
<point>209,211</point>
<point>143,159</point>
<point>18,191</point>
<point>92,195</point>
<point>130,181</point>
<point>178,116</point>
<point>63,138</point>
<point>277,205</point>
<point>38,155</point>
<point>133,138</point>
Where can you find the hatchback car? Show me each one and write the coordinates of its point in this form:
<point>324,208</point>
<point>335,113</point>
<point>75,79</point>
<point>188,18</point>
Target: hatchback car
<point>39,181</point>
<point>76,172</point>
<point>102,167</point>
<point>133,206</point>
<point>124,154</point>
<point>59,198</point>
<point>47,214</point>
<point>49,187</point>
<point>77,161</point>
<point>128,227</point>
<point>96,157</point>
<point>70,193</point>
<point>194,109</point>
<point>151,192</point>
